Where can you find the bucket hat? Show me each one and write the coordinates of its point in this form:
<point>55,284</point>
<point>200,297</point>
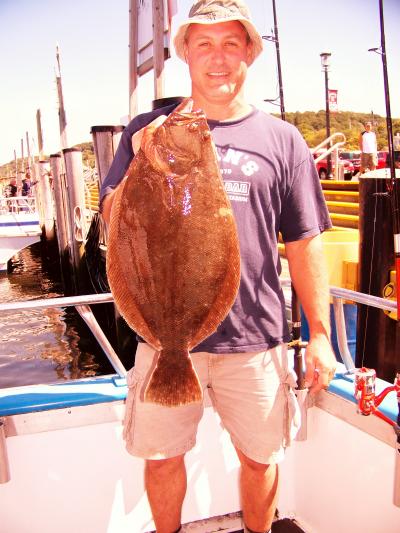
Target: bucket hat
<point>214,12</point>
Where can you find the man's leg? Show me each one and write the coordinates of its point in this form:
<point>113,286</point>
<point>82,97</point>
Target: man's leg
<point>259,493</point>
<point>165,482</point>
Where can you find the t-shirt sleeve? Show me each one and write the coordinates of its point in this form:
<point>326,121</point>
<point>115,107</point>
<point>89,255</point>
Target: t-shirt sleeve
<point>304,212</point>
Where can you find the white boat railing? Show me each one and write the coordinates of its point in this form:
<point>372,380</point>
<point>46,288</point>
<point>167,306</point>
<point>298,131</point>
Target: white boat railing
<point>81,303</point>
<point>340,295</point>
<point>17,204</point>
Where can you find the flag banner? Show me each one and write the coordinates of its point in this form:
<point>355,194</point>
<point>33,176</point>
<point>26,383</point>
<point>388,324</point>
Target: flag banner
<point>333,103</point>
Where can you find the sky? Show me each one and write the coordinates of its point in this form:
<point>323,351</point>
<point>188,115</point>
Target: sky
<point>93,37</point>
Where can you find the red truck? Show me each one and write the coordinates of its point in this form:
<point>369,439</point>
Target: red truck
<point>322,167</point>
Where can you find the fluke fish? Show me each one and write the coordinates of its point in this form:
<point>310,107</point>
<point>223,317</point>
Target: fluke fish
<point>173,260</point>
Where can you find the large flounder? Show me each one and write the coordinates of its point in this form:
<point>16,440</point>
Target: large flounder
<point>173,261</point>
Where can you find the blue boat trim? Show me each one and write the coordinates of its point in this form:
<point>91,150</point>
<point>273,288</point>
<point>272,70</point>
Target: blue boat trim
<point>16,224</point>
<point>33,398</point>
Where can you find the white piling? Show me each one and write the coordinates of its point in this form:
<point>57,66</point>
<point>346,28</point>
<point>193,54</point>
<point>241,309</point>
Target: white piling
<point>60,203</point>
<point>76,210</point>
<point>46,211</point>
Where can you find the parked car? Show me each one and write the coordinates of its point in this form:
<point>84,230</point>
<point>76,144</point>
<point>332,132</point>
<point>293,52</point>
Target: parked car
<point>354,157</point>
<point>322,167</point>
<point>383,159</point>
<point>396,159</point>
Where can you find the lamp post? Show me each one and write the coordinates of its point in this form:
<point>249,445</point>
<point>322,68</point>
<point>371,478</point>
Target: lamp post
<point>275,39</point>
<point>325,62</point>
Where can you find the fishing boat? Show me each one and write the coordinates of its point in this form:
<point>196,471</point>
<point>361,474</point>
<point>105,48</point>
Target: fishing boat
<point>19,226</point>
<point>64,467</point>
<point>63,460</point>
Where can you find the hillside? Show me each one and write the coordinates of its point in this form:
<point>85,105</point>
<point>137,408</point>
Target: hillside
<point>8,169</point>
<point>311,125</point>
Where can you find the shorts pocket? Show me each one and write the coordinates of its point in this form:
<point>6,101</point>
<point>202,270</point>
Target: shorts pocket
<point>133,379</point>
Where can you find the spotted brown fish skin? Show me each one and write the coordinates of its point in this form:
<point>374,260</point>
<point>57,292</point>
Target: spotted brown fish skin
<point>173,259</point>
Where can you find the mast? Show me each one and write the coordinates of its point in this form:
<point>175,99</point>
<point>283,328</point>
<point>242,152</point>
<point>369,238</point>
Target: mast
<point>61,109</point>
<point>39,134</point>
<point>278,63</point>
<point>393,191</point>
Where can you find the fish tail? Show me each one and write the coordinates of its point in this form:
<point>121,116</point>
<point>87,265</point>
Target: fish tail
<point>174,380</point>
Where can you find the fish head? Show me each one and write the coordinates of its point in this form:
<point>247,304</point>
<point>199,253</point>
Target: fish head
<point>179,142</point>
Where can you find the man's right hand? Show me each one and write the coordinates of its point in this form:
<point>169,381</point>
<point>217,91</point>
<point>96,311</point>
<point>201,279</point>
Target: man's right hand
<point>136,144</point>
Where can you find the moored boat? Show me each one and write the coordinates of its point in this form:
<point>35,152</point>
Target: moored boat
<point>19,226</point>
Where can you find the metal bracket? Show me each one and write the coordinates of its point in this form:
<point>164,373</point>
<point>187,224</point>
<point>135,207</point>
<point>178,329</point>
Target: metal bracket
<point>4,465</point>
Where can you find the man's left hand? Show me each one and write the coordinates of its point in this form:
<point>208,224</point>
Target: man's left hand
<point>320,364</point>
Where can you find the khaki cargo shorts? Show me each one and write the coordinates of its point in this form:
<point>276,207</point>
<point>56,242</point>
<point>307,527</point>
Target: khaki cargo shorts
<point>251,392</point>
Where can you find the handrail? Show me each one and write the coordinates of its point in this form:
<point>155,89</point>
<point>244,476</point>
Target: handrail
<point>16,204</point>
<point>328,140</point>
<point>81,302</point>
<point>339,294</point>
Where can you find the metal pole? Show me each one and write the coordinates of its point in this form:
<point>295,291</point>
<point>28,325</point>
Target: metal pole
<point>133,50</point>
<point>28,149</point>
<point>278,62</point>
<point>328,119</point>
<point>394,183</point>
<point>158,48</point>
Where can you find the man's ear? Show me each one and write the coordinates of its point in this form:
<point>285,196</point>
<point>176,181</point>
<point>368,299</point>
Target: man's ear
<point>185,51</point>
<point>249,53</point>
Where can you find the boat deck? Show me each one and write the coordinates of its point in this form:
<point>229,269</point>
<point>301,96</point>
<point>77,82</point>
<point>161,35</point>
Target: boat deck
<point>232,523</point>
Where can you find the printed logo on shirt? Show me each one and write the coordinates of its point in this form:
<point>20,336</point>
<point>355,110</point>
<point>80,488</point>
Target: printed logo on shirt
<point>237,190</point>
<point>234,163</point>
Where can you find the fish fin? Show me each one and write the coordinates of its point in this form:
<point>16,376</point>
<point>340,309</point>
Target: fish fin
<point>174,380</point>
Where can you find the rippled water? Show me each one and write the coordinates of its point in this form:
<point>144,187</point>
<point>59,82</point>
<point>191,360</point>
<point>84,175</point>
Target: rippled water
<point>44,345</point>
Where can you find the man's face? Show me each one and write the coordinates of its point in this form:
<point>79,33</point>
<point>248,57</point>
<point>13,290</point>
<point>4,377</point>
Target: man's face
<point>368,126</point>
<point>218,56</point>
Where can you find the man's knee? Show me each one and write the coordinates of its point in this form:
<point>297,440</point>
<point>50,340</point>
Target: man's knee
<point>250,464</point>
<point>161,466</point>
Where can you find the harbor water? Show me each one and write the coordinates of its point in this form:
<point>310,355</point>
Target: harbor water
<point>43,345</point>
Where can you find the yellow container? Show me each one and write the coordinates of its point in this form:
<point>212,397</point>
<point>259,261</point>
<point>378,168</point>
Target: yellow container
<point>341,254</point>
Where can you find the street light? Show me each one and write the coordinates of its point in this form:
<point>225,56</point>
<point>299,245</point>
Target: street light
<point>325,62</point>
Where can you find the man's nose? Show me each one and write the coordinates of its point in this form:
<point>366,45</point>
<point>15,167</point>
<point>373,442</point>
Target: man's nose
<point>218,54</point>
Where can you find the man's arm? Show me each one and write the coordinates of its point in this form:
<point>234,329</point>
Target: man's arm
<point>310,280</point>
<point>360,142</point>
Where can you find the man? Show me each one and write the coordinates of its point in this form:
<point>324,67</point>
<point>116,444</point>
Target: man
<point>26,186</point>
<point>368,147</point>
<point>244,363</point>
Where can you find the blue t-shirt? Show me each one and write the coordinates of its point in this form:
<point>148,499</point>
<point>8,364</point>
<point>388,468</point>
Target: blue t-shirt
<point>272,183</point>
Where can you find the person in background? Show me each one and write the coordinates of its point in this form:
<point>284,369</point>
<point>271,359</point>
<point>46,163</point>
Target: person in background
<point>26,186</point>
<point>244,364</point>
<point>12,188</point>
<point>369,150</point>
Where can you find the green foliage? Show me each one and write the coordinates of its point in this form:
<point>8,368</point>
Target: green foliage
<point>312,125</point>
